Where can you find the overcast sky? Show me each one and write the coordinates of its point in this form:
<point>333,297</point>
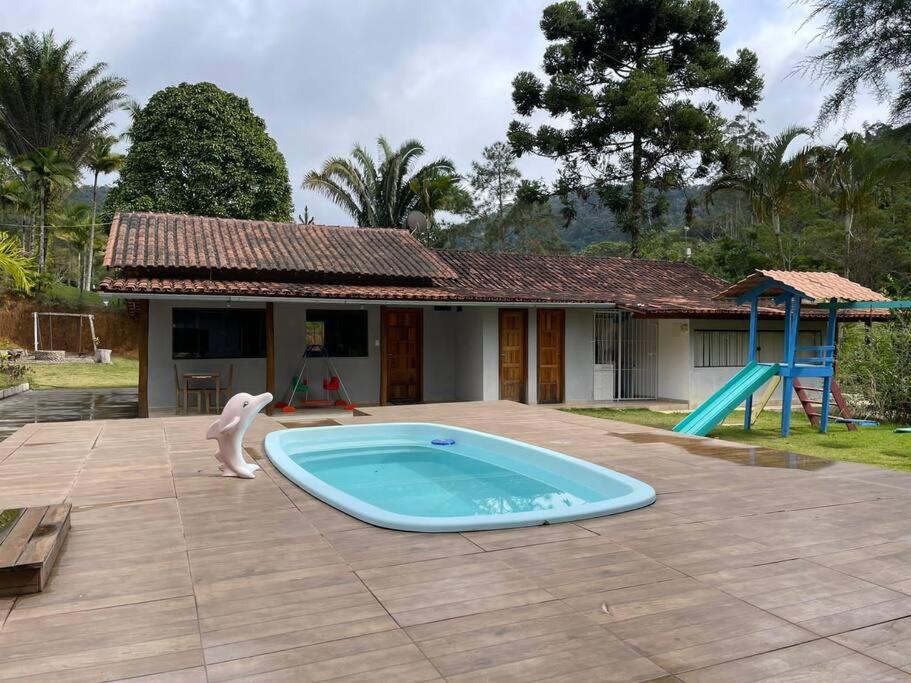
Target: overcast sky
<point>324,74</point>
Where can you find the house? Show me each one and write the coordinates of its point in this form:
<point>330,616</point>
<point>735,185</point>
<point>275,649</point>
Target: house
<point>405,323</point>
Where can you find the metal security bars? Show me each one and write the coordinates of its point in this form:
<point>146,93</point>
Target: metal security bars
<point>626,357</point>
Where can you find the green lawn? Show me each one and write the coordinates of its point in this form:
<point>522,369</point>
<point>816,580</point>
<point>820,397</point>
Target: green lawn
<point>878,446</point>
<point>123,372</point>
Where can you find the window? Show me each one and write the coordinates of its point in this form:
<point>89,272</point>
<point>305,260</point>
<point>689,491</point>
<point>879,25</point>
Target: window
<point>730,348</point>
<point>343,333</point>
<point>721,348</point>
<point>218,333</point>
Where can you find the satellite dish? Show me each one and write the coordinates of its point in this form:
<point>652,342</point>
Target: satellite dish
<point>416,221</point>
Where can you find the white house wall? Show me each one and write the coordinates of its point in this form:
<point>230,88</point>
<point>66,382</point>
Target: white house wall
<point>579,354</point>
<point>361,376</point>
<point>439,352</point>
<point>249,373</point>
<point>675,359</point>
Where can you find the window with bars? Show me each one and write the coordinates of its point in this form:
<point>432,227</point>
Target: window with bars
<point>730,348</point>
<point>721,348</point>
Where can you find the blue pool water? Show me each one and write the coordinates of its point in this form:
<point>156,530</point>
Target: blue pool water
<point>394,476</point>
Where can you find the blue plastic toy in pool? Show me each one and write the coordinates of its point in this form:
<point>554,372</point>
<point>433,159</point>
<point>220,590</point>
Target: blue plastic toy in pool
<point>443,442</point>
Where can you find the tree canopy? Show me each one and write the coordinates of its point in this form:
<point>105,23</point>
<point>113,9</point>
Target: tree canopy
<point>380,193</point>
<point>200,150</point>
<point>866,43</point>
<point>50,98</point>
<point>622,75</point>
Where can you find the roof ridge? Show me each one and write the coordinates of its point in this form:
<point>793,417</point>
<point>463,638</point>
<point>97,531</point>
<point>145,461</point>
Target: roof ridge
<point>293,224</point>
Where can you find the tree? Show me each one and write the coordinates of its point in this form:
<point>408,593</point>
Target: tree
<point>46,172</point>
<point>867,44</point>
<point>856,172</point>
<point>495,180</point>
<point>15,265</point>
<point>49,98</point>
<point>621,74</point>
<point>197,149</point>
<point>100,159</point>
<point>73,226</point>
<point>767,179</point>
<point>381,193</point>
<point>16,198</point>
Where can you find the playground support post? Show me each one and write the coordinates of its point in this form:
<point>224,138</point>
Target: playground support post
<point>831,329</point>
<point>792,319</point>
<point>751,356</point>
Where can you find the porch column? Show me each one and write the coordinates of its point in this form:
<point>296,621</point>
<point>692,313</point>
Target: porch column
<point>142,308</point>
<point>270,353</point>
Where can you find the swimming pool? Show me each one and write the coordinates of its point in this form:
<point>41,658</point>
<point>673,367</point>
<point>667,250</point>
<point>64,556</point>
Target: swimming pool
<point>432,477</point>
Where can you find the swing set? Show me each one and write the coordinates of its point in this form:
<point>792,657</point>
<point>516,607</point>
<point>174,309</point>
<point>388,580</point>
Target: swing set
<point>39,339</point>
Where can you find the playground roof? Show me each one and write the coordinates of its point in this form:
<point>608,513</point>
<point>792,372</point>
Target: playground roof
<point>817,287</point>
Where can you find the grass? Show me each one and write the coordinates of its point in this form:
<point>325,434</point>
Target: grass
<point>123,372</point>
<point>6,381</point>
<point>878,446</point>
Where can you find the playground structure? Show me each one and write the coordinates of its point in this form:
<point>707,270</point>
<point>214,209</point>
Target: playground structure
<point>331,384</point>
<point>39,338</point>
<point>822,291</point>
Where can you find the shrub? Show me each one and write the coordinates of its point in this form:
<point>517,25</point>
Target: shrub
<point>874,368</point>
<point>11,372</point>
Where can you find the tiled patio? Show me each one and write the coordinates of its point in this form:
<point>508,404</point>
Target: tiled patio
<point>790,569</point>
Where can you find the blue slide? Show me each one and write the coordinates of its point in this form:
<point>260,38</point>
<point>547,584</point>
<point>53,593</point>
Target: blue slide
<point>720,404</point>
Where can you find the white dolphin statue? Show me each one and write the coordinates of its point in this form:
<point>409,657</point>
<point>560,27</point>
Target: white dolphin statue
<point>228,430</point>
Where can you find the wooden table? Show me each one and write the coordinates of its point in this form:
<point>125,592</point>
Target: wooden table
<point>201,377</point>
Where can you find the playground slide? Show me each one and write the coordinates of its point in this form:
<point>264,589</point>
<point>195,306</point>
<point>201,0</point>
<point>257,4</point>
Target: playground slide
<point>740,387</point>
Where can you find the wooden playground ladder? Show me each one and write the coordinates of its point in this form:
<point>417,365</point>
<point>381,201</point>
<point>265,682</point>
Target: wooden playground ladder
<point>812,407</point>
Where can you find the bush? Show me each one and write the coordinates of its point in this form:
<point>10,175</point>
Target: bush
<point>874,368</point>
<point>11,373</point>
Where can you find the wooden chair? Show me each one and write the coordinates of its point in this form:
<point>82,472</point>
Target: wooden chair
<point>227,388</point>
<point>198,393</point>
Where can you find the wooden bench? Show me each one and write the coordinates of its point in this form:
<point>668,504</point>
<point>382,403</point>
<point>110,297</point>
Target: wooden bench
<point>30,540</point>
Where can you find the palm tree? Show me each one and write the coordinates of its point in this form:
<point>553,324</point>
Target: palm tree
<point>14,264</point>
<point>100,159</point>
<point>49,98</point>
<point>768,179</point>
<point>73,225</point>
<point>854,172</point>
<point>46,171</point>
<point>380,194</point>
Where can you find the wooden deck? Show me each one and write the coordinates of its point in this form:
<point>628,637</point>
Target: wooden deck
<point>790,569</point>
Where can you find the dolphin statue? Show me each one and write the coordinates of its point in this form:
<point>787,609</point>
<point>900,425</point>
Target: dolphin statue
<point>228,430</point>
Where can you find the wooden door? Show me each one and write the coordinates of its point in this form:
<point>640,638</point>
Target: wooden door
<point>513,354</point>
<point>551,326</point>
<point>402,350</point>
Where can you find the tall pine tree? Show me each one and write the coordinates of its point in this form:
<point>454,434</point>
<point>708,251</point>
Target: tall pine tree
<point>628,85</point>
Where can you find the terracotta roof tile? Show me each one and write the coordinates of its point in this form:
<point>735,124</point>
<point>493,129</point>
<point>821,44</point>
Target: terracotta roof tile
<point>178,242</point>
<point>817,287</point>
<point>163,254</point>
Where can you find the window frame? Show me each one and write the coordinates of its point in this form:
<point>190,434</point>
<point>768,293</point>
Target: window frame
<point>260,344</point>
<point>324,315</point>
